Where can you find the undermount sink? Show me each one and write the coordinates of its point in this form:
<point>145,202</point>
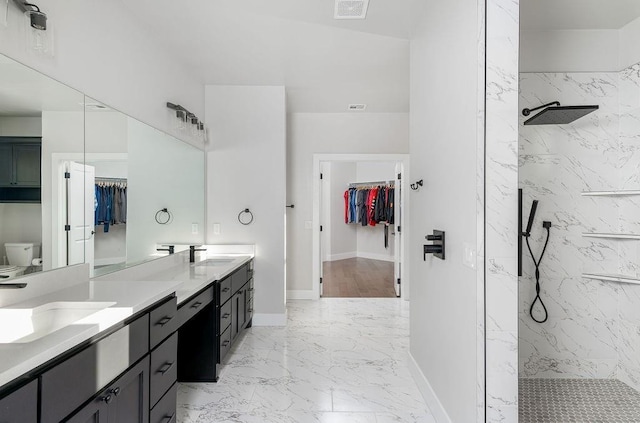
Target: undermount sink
<point>216,262</point>
<point>29,324</point>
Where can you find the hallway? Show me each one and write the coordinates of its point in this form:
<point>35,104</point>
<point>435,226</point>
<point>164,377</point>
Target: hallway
<point>338,360</point>
<point>358,278</point>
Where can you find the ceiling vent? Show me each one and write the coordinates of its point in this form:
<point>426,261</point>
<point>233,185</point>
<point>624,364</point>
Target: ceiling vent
<point>351,9</point>
<point>357,106</point>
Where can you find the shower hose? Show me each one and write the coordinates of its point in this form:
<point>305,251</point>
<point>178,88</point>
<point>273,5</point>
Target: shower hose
<point>537,265</point>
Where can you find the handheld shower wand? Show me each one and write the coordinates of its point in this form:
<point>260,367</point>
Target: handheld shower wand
<point>536,263</point>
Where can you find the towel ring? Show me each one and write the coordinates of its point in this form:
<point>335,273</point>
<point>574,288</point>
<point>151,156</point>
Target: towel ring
<point>161,219</point>
<point>245,222</point>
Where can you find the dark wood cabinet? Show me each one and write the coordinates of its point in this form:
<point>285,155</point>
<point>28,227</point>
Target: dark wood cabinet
<point>126,400</point>
<point>206,338</point>
<point>20,406</point>
<point>20,169</point>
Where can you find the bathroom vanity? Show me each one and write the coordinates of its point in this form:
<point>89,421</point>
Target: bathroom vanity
<point>121,362</point>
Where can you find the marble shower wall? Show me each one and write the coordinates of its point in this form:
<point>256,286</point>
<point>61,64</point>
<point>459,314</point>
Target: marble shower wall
<point>591,331</point>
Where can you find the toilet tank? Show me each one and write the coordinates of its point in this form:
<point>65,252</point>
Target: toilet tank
<point>19,254</point>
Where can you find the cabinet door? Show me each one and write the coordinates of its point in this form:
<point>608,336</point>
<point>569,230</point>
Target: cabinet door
<point>20,406</point>
<point>26,161</point>
<point>6,165</point>
<point>131,395</point>
<point>94,412</point>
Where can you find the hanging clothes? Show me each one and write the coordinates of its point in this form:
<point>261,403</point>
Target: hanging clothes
<point>110,203</point>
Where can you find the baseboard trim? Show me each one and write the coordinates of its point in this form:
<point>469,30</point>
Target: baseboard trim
<point>342,256</point>
<point>430,397</point>
<point>371,256</point>
<point>269,319</point>
<point>300,294</point>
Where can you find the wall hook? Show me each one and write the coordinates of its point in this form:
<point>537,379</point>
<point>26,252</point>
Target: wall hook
<point>416,186</point>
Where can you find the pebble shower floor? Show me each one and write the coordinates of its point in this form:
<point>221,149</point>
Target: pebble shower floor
<point>577,400</point>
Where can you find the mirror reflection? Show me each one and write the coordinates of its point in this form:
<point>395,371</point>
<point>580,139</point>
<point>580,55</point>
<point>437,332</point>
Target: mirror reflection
<point>81,182</point>
<point>136,173</point>
<point>41,133</point>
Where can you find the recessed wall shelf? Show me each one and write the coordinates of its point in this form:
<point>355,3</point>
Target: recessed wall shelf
<point>612,277</point>
<point>620,193</point>
<point>611,236</point>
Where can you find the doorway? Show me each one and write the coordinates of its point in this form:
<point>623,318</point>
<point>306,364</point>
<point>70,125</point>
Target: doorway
<point>357,254</point>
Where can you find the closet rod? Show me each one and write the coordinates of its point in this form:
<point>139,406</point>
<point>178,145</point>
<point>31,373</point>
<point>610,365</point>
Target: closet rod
<point>361,184</point>
<point>99,178</point>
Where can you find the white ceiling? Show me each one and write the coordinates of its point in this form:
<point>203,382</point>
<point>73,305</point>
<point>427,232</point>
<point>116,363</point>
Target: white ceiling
<point>325,64</point>
<point>25,92</point>
<point>577,14</point>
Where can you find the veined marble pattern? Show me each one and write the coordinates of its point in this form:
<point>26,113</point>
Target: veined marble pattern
<point>593,329</point>
<point>337,360</point>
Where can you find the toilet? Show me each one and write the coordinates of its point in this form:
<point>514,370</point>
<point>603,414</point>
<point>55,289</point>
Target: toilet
<point>20,255</point>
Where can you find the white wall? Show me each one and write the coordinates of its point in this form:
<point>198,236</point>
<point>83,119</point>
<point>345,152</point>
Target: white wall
<point>569,51</point>
<point>343,237</point>
<point>163,172</point>
<point>20,126</point>
<point>309,133</point>
<point>62,139</point>
<point>246,168</point>
<point>444,136</point>
<point>103,51</point>
<point>591,50</point>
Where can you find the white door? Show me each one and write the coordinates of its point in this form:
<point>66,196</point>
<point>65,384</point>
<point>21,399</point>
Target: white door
<point>397,227</point>
<point>80,213</point>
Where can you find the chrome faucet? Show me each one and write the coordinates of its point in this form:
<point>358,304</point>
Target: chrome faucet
<point>170,248</point>
<point>192,253</point>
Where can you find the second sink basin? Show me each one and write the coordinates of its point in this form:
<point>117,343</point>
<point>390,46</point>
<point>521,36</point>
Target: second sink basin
<point>216,262</point>
<point>30,324</point>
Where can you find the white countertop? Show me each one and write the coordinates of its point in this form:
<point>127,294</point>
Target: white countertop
<point>194,277</point>
<point>129,297</point>
<point>126,298</point>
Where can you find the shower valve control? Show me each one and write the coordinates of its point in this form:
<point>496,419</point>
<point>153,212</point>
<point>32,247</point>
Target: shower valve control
<point>437,248</point>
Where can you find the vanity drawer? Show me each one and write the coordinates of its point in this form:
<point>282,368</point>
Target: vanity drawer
<point>163,322</point>
<point>193,306</point>
<point>225,289</point>
<point>225,344</point>
<point>225,317</point>
<point>239,278</point>
<point>164,368</point>
<point>165,409</point>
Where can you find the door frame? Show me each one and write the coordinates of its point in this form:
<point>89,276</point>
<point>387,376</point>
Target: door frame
<point>404,218</point>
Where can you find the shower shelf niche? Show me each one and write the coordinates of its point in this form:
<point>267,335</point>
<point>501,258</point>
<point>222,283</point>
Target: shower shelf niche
<point>620,193</point>
<point>612,277</point>
<point>611,236</point>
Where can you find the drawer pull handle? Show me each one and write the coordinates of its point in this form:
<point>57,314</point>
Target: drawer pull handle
<point>169,419</point>
<point>225,343</point>
<point>226,289</point>
<point>250,289</point>
<point>164,320</point>
<point>115,391</point>
<point>166,367</point>
<point>250,310</point>
<point>107,399</point>
<point>226,316</point>
<point>196,304</point>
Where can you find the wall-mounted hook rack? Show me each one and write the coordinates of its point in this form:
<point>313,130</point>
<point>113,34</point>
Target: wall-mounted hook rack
<point>416,185</point>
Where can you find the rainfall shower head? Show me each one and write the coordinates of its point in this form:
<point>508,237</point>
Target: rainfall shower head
<point>557,115</point>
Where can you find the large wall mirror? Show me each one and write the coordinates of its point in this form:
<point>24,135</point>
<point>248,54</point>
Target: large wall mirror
<point>81,182</point>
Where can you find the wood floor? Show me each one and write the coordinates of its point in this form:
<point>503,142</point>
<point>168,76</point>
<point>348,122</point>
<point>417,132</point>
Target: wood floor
<point>358,278</point>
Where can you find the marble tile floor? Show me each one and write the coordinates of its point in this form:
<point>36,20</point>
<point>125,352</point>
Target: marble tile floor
<point>337,360</point>
<point>577,400</point>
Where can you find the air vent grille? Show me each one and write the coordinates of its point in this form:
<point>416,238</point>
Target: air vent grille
<point>351,9</point>
<point>357,106</point>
